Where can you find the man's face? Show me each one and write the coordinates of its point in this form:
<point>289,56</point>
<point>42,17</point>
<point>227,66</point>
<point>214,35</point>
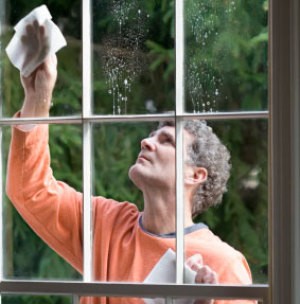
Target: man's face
<point>155,164</point>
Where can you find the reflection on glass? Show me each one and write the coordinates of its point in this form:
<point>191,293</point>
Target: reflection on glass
<point>242,218</point>
<point>226,55</point>
<point>25,255</point>
<point>133,57</point>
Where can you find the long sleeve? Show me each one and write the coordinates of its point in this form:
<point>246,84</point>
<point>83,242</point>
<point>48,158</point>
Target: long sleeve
<point>51,208</point>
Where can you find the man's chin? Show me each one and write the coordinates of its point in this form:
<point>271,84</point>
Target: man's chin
<point>135,174</point>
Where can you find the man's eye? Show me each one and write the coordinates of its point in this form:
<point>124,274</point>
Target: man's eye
<point>169,140</point>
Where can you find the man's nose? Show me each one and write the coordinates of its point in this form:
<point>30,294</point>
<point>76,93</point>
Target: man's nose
<point>148,143</point>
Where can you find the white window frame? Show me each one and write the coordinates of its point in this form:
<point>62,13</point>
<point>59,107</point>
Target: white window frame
<point>284,172</point>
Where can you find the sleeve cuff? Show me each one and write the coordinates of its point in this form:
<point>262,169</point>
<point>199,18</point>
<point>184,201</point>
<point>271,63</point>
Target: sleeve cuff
<point>25,127</point>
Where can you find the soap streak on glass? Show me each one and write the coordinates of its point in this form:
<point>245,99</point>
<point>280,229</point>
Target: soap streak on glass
<point>123,55</point>
<point>204,84</point>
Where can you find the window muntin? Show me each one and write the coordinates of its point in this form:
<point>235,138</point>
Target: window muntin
<point>127,290</point>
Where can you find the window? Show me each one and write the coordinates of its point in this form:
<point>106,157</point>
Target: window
<point>109,82</point>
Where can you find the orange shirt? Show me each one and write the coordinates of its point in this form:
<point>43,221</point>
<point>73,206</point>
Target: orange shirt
<point>122,250</point>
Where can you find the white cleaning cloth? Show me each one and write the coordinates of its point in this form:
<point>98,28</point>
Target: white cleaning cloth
<point>36,36</point>
<point>165,272</point>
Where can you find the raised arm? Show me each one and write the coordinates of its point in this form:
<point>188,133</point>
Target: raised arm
<point>50,207</point>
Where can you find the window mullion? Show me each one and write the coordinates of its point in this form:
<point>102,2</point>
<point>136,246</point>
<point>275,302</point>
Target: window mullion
<point>2,14</point>
<point>239,115</point>
<point>75,299</point>
<point>295,135</point>
<point>179,45</point>
<point>1,207</point>
<point>87,138</point>
<point>179,204</point>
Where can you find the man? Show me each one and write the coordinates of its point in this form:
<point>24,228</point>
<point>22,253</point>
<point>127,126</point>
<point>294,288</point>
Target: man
<point>127,244</point>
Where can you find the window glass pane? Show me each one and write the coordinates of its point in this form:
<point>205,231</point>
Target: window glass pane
<point>226,55</point>
<point>133,73</point>
<point>127,238</point>
<point>67,95</point>
<point>49,214</point>
<point>133,56</point>
<point>241,219</point>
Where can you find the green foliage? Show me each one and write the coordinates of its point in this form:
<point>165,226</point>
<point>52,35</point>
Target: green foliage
<point>128,47</point>
<point>66,145</point>
<point>227,46</point>
<point>36,300</point>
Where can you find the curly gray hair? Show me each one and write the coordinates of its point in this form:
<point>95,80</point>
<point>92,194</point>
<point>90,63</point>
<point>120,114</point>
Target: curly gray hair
<point>206,151</point>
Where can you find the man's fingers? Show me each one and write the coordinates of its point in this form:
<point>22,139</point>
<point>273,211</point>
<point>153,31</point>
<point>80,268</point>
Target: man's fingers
<point>42,31</point>
<point>51,60</point>
<point>30,29</point>
<point>195,261</point>
<point>50,65</point>
<point>35,24</point>
<point>205,275</point>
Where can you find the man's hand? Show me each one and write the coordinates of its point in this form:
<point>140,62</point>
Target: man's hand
<point>38,88</point>
<point>35,43</point>
<point>204,274</point>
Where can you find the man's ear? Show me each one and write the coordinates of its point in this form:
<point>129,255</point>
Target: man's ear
<point>197,175</point>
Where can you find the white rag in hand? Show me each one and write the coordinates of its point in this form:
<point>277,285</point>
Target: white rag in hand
<point>36,36</point>
<point>165,272</point>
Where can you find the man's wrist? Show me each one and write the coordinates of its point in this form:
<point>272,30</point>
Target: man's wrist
<point>25,128</point>
<point>36,106</point>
